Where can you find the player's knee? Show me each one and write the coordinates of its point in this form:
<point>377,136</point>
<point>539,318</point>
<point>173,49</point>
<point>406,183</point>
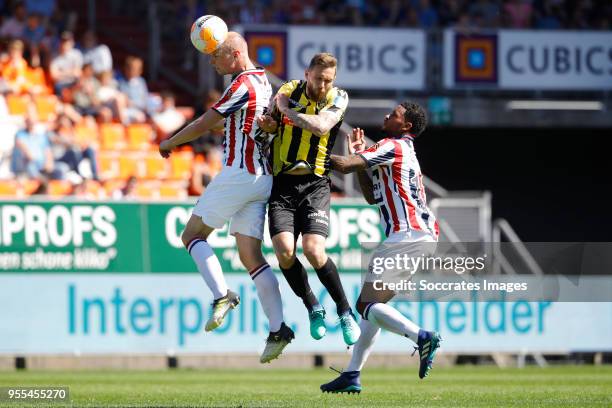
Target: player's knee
<point>188,236</point>
<point>285,255</point>
<point>315,253</point>
<point>361,306</point>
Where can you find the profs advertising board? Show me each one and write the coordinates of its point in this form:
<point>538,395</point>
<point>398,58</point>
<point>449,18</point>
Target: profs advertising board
<point>522,59</point>
<point>85,237</point>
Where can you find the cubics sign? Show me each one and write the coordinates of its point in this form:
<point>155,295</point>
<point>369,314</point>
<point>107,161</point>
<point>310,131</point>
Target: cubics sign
<point>137,238</point>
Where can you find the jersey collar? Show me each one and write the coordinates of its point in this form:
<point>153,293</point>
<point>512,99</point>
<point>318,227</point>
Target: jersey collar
<point>256,70</point>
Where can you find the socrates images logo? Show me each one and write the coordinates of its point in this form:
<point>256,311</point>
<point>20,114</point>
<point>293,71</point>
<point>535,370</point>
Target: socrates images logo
<point>269,49</point>
<point>476,59</point>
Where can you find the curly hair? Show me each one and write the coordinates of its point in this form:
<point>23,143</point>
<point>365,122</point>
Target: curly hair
<point>416,115</point>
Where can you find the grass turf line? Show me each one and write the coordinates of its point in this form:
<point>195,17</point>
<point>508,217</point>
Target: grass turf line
<point>562,386</point>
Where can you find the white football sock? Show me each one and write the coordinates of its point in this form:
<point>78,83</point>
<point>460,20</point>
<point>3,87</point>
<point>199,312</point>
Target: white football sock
<point>269,295</point>
<point>389,318</point>
<point>363,347</point>
<point>209,267</point>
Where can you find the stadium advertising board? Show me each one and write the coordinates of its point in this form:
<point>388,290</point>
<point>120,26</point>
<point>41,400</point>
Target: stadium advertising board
<point>162,313</point>
<point>367,59</point>
<point>137,238</point>
<point>523,59</point>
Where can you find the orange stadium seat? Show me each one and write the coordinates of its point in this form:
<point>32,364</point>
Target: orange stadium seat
<point>46,106</point>
<point>17,104</point>
<point>139,136</point>
<point>59,188</point>
<point>181,163</point>
<point>8,188</point>
<point>108,165</point>
<point>30,186</point>
<point>112,185</point>
<point>112,136</point>
<point>94,189</point>
<point>156,166</point>
<point>146,190</point>
<point>37,80</point>
<point>172,191</point>
<point>86,134</point>
<point>131,165</point>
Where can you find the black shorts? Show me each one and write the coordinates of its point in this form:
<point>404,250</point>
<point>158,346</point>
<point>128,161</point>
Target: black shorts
<point>299,204</point>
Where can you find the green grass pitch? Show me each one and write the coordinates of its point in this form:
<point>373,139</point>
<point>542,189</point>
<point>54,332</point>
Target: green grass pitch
<point>466,386</point>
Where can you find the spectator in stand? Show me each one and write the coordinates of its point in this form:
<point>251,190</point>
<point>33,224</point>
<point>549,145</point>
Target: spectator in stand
<point>518,13</point>
<point>13,27</point>
<point>127,192</point>
<point>251,12</point>
<point>98,55</point>
<point>393,13</point>
<point>66,67</point>
<point>280,11</point>
<point>85,96</point>
<point>88,190</point>
<point>214,136</point>
<point>487,11</point>
<point>206,166</point>
<point>7,131</point>
<point>13,69</point>
<point>69,151</point>
<point>110,97</point>
<point>135,88</point>
<point>428,16</point>
<point>335,12</point>
<point>32,155</point>
<point>549,16</point>
<point>580,19</point>
<point>34,35</point>
<point>450,10</point>
<point>42,7</point>
<point>62,19</point>
<point>168,120</point>
<point>356,10</point>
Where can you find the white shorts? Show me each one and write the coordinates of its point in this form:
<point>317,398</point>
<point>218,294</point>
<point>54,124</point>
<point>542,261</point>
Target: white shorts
<point>402,245</point>
<point>237,196</point>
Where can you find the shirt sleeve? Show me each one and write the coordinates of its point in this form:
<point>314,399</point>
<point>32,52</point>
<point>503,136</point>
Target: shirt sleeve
<point>338,102</point>
<point>288,87</point>
<point>379,154</point>
<point>233,99</point>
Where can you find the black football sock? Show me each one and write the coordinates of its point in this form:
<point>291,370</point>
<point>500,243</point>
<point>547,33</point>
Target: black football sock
<point>328,275</point>
<point>297,277</point>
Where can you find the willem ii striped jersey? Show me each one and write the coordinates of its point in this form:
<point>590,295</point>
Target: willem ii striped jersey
<point>398,187</point>
<point>245,99</point>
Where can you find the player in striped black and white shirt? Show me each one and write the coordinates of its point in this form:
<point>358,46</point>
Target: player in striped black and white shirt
<point>239,193</point>
<point>410,227</point>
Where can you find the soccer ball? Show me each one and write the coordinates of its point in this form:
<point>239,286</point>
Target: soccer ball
<point>207,33</point>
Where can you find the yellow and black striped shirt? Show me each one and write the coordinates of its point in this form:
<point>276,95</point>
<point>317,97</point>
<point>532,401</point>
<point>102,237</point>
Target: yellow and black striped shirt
<point>293,144</point>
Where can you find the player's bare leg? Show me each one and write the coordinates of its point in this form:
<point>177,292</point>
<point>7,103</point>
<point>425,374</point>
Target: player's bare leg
<point>194,238</point>
<point>314,250</point>
<point>372,306</point>
<point>268,291</point>
<point>295,274</point>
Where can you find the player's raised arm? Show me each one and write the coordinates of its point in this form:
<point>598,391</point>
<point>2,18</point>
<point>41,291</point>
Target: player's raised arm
<point>191,132</point>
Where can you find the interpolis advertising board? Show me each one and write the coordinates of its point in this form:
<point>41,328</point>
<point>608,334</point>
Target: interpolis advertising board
<point>161,313</point>
<point>367,59</point>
